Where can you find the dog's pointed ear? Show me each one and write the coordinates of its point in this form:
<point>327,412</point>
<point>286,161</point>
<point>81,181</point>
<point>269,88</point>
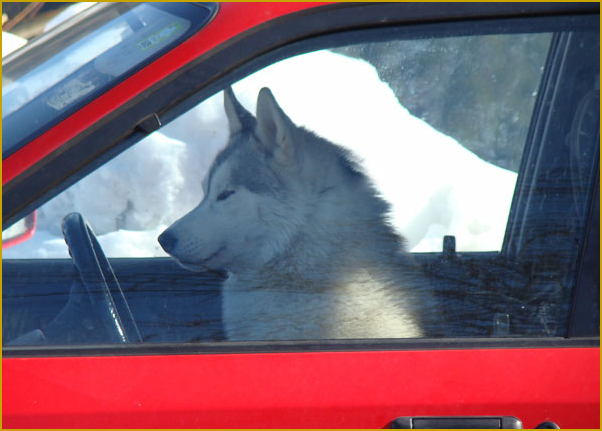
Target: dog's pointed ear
<point>238,117</point>
<point>274,128</point>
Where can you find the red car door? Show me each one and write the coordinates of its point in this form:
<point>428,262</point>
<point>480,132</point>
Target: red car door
<point>491,111</point>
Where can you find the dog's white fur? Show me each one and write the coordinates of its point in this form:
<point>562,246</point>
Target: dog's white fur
<point>302,234</point>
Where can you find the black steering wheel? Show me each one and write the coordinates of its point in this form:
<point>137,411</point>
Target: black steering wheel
<point>99,280</point>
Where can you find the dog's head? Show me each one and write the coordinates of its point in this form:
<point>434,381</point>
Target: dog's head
<point>247,214</point>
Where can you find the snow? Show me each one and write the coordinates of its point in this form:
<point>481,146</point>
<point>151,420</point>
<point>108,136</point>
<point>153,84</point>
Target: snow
<point>37,80</point>
<point>435,185</point>
<point>64,15</point>
<point>11,42</point>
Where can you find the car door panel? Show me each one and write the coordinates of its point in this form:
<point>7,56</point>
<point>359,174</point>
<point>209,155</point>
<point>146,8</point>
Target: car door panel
<point>313,389</point>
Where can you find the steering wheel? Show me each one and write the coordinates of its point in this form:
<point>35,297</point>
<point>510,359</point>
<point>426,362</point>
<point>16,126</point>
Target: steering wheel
<point>99,280</point>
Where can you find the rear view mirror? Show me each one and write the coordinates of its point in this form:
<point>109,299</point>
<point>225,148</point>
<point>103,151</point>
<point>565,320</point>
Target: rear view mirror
<point>20,232</point>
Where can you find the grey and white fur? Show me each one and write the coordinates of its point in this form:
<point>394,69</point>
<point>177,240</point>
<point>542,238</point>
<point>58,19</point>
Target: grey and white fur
<point>303,235</point>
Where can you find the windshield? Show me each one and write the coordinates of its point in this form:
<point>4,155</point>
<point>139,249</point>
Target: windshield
<point>66,67</point>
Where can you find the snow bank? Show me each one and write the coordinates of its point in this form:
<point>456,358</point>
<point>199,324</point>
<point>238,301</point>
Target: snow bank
<point>435,185</point>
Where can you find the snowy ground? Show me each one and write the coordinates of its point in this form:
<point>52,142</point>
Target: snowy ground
<point>435,185</point>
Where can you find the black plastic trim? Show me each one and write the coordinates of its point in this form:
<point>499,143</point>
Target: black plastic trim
<point>586,298</point>
<point>457,422</point>
<point>228,347</point>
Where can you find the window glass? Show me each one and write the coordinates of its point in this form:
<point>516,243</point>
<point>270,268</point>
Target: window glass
<point>139,193</point>
<point>389,215</point>
<point>61,70</point>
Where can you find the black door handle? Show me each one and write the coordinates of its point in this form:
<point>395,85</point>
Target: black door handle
<point>457,422</point>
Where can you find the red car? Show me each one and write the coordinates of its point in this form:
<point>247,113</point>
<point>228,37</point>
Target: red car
<point>477,122</point>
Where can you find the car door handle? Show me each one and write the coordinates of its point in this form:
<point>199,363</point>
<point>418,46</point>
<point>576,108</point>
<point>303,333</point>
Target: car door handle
<point>457,422</point>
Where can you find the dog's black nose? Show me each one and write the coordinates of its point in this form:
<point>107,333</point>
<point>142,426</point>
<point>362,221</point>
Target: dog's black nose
<point>168,241</point>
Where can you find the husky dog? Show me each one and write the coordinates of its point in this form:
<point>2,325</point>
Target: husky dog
<point>302,234</point>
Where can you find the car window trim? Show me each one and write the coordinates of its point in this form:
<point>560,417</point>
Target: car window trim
<point>243,347</point>
<point>586,295</point>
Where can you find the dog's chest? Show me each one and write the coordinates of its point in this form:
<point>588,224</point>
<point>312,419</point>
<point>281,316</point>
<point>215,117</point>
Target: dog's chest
<point>357,307</point>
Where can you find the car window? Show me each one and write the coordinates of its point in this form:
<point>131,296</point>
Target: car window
<point>398,143</point>
<point>53,75</point>
<point>391,187</point>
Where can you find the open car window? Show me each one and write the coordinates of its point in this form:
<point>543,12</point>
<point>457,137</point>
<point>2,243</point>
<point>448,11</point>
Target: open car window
<point>442,154</point>
<point>437,190</point>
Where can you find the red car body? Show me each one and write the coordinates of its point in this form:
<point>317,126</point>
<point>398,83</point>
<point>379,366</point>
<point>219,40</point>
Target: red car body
<point>534,380</point>
<point>307,390</point>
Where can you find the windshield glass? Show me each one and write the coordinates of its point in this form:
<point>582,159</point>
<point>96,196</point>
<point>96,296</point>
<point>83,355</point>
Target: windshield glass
<point>68,66</point>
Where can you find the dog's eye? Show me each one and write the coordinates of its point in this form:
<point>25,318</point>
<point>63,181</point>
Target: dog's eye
<point>225,195</point>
